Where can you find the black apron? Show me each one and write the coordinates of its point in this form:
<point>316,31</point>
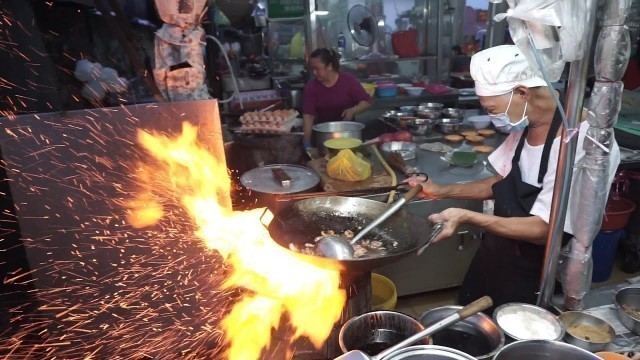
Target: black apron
<point>509,270</point>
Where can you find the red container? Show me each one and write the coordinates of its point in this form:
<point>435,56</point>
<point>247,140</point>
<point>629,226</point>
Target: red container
<point>616,214</point>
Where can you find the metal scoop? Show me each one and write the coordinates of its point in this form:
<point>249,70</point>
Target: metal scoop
<point>340,248</point>
<point>481,304</point>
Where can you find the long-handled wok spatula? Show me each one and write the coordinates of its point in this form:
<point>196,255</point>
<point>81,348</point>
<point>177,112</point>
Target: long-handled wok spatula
<point>337,247</point>
<point>483,303</point>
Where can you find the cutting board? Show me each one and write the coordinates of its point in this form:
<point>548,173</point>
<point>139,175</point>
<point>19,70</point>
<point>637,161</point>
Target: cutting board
<point>379,177</point>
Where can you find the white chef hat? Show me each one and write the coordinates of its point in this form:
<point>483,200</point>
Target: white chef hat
<point>499,69</point>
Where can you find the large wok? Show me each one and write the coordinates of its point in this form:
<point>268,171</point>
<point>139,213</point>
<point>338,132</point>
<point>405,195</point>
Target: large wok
<point>303,221</point>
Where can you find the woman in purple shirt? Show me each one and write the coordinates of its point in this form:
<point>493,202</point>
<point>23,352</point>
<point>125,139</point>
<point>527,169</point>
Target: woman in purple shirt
<point>333,95</point>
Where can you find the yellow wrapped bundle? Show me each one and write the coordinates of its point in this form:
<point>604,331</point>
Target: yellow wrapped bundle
<point>348,166</point>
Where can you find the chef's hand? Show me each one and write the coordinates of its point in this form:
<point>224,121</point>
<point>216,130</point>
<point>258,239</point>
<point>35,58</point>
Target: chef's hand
<point>349,114</point>
<point>451,218</point>
<point>430,189</point>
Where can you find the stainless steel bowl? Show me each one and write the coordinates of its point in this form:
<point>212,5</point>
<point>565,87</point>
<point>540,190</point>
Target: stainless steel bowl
<point>452,113</point>
<point>628,299</point>
<point>375,331</point>
<point>409,109</point>
<point>421,126</point>
<point>449,126</point>
<point>429,113</point>
<point>406,149</point>
<point>430,105</point>
<point>477,335</point>
<point>530,311</point>
<point>586,331</point>
<point>430,352</point>
<point>543,350</point>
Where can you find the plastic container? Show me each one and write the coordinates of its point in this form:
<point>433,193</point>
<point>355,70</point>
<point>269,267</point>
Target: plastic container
<point>605,247</point>
<point>383,293</point>
<point>386,89</point>
<point>414,90</point>
<point>369,88</point>
<point>617,213</point>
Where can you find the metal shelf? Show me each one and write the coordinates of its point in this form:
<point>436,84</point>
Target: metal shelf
<point>386,60</point>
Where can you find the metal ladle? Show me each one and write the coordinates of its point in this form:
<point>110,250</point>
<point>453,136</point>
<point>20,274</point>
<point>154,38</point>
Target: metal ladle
<point>337,247</point>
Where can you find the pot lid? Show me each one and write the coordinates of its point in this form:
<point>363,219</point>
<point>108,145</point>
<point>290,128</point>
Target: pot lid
<point>263,179</point>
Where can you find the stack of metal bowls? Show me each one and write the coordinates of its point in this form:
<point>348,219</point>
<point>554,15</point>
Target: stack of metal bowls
<point>450,126</point>
<point>452,113</point>
<point>429,111</point>
<point>421,127</point>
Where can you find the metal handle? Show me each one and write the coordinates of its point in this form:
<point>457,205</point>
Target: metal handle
<point>281,177</point>
<point>264,212</point>
<point>437,229</point>
<point>390,211</point>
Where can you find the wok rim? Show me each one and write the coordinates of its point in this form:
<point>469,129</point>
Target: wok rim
<point>359,262</point>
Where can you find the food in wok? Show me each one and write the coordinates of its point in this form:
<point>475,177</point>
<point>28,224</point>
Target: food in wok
<point>363,249</point>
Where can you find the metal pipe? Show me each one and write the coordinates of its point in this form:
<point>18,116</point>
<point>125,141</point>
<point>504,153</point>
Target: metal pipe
<point>495,29</point>
<point>566,158</point>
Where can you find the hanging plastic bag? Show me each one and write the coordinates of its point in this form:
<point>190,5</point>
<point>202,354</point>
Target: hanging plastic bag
<point>348,166</point>
<point>538,20</point>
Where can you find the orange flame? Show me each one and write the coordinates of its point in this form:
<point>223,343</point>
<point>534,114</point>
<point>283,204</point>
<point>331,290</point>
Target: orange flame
<point>280,282</point>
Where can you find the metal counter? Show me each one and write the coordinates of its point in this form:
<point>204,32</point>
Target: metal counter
<point>444,264</point>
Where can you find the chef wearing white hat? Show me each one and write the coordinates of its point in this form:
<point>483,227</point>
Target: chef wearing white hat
<point>508,263</point>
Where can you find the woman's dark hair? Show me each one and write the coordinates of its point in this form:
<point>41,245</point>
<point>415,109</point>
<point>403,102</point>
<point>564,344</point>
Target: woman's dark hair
<point>327,56</point>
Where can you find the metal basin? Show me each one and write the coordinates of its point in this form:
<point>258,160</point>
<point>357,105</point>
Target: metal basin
<point>543,350</point>
<point>628,300</point>
<point>586,331</point>
<point>428,352</point>
<point>378,330</point>
<point>477,335</point>
<point>509,315</point>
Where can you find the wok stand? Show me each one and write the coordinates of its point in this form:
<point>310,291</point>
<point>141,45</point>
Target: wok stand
<point>358,287</point>
<point>304,219</point>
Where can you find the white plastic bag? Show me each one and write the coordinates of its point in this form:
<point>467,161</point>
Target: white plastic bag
<point>553,29</point>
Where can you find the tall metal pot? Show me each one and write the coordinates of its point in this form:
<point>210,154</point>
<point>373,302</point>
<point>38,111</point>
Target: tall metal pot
<point>336,129</point>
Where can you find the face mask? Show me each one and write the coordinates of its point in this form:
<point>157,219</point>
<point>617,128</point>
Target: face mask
<point>502,120</point>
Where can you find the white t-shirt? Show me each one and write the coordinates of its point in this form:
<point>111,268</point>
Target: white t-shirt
<point>529,164</point>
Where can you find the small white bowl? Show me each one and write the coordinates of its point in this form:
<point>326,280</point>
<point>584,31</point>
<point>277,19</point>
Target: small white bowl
<point>405,85</point>
<point>414,90</point>
<point>480,121</point>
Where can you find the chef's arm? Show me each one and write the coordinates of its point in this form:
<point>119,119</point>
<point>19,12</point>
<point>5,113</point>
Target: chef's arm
<point>531,229</point>
<point>307,127</point>
<point>361,106</point>
<point>476,190</point>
